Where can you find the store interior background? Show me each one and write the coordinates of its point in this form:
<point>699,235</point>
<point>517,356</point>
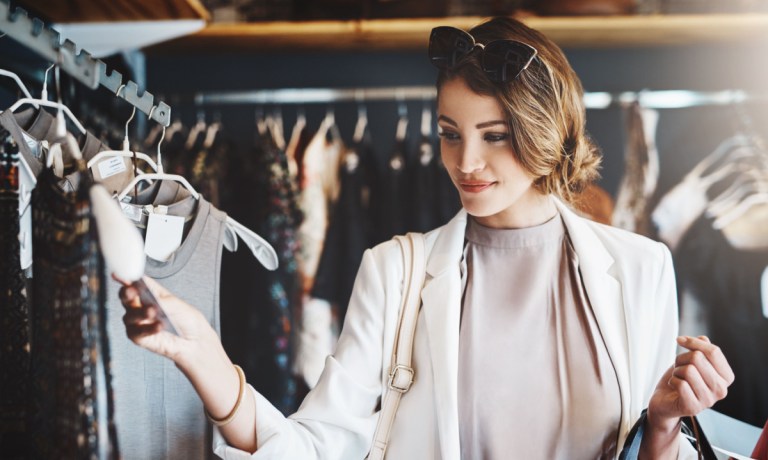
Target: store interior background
<point>175,73</point>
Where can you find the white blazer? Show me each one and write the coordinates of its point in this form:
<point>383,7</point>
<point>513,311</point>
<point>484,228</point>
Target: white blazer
<point>630,283</point>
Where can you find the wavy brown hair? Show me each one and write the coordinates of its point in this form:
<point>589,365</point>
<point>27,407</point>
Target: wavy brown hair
<point>544,107</point>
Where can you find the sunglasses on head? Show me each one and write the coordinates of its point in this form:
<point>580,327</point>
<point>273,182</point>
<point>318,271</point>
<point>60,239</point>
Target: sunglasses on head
<point>502,60</point>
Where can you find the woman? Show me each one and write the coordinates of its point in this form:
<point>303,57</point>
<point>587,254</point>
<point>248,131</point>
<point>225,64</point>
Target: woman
<point>541,334</point>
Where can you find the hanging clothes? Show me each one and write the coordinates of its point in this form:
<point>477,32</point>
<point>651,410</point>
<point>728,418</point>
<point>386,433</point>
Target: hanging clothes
<point>350,230</point>
<point>71,405</point>
<point>725,281</point>
<point>209,165</point>
<point>424,175</point>
<point>14,311</point>
<point>391,192</point>
<point>258,305</point>
<point>315,336</point>
<point>158,411</point>
<point>641,171</point>
<point>319,190</point>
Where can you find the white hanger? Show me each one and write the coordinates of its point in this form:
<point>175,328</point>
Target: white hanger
<point>18,81</point>
<point>159,175</point>
<point>362,119</point>
<point>57,105</point>
<point>740,209</point>
<point>749,181</point>
<point>260,248</point>
<point>125,152</point>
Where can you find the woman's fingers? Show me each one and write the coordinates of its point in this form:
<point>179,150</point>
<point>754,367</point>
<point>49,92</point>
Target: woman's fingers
<point>699,378</point>
<point>712,353</point>
<point>695,367</point>
<point>138,331</point>
<point>700,396</point>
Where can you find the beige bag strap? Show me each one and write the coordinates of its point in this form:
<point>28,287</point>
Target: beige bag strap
<point>401,374</point>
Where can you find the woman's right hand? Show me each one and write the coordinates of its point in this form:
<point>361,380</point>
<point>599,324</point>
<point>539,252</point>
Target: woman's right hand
<point>144,328</point>
<point>197,352</point>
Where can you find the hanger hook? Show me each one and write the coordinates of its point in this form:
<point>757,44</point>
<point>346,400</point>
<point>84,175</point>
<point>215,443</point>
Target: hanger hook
<point>44,93</point>
<point>4,34</point>
<point>151,111</point>
<point>117,93</point>
<point>159,143</point>
<point>402,106</point>
<point>133,113</point>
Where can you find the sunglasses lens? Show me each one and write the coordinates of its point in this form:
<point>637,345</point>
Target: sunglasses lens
<point>447,45</point>
<point>503,60</point>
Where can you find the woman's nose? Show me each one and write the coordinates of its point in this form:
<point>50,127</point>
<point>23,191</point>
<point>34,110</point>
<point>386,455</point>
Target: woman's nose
<point>470,160</point>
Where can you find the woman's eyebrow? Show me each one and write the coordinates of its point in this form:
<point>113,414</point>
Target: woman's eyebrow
<point>447,120</point>
<point>488,124</point>
<point>485,124</point>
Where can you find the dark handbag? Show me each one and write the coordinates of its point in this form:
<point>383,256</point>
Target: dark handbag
<point>691,428</point>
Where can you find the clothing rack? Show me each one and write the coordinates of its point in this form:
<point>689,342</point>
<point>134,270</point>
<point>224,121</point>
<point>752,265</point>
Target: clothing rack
<point>657,99</point>
<point>317,95</point>
<point>35,35</point>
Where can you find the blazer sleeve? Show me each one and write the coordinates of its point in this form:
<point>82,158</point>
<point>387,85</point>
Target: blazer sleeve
<point>665,348</point>
<point>338,417</point>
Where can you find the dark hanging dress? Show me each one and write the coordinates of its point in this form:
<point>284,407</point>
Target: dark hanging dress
<point>71,401</point>
<point>726,283</point>
<point>349,230</point>
<point>14,314</point>
<point>257,305</point>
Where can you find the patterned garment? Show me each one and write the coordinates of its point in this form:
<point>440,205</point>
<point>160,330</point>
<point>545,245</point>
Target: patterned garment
<point>14,314</point>
<point>71,401</point>
<point>280,228</point>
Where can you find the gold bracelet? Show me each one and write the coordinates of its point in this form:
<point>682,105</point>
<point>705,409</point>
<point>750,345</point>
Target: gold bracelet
<point>233,413</point>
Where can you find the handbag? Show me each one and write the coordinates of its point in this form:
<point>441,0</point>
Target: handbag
<point>690,428</point>
<point>401,373</point>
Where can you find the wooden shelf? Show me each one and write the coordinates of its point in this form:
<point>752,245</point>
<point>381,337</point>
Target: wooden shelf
<point>405,34</point>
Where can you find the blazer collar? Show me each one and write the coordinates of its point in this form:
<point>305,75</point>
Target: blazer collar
<point>442,295</point>
<point>447,250</point>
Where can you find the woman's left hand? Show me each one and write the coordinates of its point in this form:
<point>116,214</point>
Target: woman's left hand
<point>699,378</point>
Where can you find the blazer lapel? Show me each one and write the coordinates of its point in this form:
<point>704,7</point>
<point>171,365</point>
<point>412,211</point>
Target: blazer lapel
<point>605,296</point>
<point>441,299</point>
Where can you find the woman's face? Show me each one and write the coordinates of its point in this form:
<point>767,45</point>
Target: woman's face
<point>476,148</point>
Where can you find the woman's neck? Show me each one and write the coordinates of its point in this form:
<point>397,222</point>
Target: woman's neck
<point>534,210</point>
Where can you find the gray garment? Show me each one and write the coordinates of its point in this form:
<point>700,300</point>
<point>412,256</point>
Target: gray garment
<point>535,377</point>
<point>30,126</point>
<point>158,413</point>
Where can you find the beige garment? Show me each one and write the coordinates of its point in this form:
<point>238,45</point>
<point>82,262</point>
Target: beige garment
<point>535,377</point>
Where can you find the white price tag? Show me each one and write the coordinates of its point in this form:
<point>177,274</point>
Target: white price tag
<point>110,167</point>
<point>131,211</point>
<point>32,143</point>
<point>163,236</point>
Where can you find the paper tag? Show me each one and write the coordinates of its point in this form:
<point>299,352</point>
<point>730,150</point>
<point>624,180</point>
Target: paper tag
<point>163,236</point>
<point>32,143</point>
<point>132,212</point>
<point>110,167</point>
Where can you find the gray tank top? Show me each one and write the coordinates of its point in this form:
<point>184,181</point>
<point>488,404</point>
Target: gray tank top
<point>157,412</point>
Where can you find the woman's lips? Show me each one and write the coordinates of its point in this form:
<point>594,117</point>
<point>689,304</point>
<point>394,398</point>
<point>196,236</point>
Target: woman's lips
<point>475,186</point>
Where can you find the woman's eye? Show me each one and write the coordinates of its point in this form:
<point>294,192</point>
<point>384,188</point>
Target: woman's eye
<point>496,137</point>
<point>448,135</point>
